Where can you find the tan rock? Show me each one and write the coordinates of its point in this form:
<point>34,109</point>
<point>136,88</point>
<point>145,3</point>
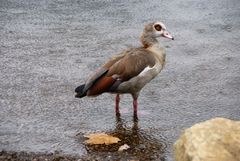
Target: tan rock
<point>213,140</point>
<point>101,138</point>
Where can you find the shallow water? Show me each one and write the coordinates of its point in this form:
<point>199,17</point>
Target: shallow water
<point>142,144</point>
<point>47,48</point>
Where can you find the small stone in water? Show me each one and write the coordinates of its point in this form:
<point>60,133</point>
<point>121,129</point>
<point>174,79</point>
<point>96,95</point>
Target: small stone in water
<point>123,147</point>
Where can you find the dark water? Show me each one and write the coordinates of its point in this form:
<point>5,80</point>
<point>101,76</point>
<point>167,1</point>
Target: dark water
<point>142,144</point>
<point>47,48</point>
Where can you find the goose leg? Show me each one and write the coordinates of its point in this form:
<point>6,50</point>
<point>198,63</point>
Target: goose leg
<point>135,106</point>
<point>117,100</point>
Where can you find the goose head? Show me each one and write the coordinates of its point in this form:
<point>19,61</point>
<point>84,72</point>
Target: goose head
<point>153,31</point>
<point>160,30</point>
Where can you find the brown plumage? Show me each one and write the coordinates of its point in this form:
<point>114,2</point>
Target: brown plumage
<point>129,71</point>
<point>131,64</point>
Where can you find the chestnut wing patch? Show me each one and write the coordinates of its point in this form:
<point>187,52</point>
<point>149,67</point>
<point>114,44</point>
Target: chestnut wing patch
<point>94,78</point>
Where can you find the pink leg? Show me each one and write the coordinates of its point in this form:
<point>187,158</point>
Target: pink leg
<point>135,106</point>
<point>117,100</point>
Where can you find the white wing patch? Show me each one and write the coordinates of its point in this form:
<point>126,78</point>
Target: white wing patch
<point>145,71</point>
<point>153,71</point>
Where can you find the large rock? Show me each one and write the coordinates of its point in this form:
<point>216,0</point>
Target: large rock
<point>213,140</point>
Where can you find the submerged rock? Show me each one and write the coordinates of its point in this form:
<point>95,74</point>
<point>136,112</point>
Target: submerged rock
<point>101,138</point>
<point>213,140</point>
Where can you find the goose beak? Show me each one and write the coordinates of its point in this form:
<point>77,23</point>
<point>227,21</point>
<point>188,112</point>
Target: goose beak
<point>167,35</point>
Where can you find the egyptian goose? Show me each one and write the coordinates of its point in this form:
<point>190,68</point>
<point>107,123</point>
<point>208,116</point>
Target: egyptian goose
<point>131,70</point>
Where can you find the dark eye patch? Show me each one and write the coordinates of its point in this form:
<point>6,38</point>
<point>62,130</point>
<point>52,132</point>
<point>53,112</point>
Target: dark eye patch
<point>158,27</point>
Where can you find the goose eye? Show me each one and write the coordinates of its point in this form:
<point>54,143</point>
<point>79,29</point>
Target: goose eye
<point>158,27</point>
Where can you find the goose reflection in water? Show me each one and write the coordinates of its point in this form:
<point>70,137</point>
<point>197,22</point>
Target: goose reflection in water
<point>143,145</point>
